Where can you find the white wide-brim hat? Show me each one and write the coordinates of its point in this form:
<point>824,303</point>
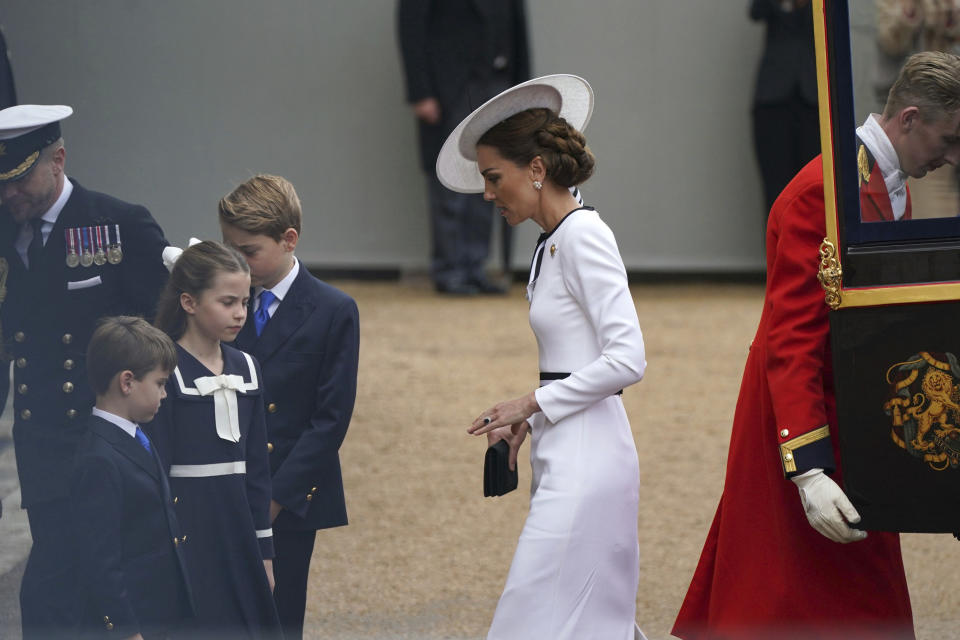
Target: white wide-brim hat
<point>567,95</point>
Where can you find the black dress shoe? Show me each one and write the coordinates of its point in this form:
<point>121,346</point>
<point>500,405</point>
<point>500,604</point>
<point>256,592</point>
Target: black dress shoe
<point>457,289</point>
<point>488,288</point>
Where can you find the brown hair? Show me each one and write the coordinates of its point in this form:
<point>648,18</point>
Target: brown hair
<point>264,204</point>
<point>193,273</point>
<point>929,80</point>
<point>122,343</point>
<point>541,132</point>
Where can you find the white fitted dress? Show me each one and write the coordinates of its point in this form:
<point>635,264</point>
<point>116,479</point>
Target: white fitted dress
<point>575,572</point>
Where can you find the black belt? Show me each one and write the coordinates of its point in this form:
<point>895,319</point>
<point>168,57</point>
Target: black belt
<point>555,375</point>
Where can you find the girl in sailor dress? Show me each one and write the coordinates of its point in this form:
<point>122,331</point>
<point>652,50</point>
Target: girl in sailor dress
<point>210,434</point>
<point>575,572</point>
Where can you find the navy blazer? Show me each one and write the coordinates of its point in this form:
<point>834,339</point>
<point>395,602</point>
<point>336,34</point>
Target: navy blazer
<point>308,354</point>
<point>48,315</point>
<point>130,565</point>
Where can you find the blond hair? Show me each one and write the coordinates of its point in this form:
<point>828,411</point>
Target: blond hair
<point>264,204</point>
<point>930,81</point>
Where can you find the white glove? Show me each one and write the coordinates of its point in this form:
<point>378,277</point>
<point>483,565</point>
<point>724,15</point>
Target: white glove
<point>828,509</point>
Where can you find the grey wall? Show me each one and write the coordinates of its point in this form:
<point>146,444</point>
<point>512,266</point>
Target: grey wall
<point>177,101</point>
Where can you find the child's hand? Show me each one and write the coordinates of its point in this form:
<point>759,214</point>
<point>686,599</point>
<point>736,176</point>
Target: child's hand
<point>268,567</point>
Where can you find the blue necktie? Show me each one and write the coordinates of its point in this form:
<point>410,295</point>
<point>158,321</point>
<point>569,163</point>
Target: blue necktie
<point>262,315</point>
<point>142,439</point>
<point>36,244</point>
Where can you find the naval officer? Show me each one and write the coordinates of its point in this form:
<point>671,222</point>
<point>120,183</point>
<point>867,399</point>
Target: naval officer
<point>68,256</point>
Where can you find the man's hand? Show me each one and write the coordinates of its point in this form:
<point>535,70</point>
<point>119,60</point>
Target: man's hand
<point>427,110</point>
<point>827,507</point>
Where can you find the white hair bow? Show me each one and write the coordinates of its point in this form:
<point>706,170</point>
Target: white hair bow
<point>224,389</point>
<point>170,254</point>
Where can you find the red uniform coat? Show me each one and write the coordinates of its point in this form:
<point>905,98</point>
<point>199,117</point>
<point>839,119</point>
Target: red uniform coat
<point>764,571</point>
<point>874,199</point>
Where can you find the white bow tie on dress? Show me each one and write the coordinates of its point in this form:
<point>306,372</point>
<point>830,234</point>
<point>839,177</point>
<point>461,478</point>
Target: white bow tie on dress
<point>224,389</point>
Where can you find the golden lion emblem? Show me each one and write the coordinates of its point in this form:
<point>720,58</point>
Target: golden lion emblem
<point>925,408</point>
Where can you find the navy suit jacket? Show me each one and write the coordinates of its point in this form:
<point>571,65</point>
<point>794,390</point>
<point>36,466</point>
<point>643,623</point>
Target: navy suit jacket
<point>132,572</point>
<point>308,354</point>
<point>48,315</point>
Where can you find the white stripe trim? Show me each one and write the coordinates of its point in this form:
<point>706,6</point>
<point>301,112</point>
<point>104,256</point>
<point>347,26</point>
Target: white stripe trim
<point>207,470</point>
<point>264,533</point>
<point>253,385</point>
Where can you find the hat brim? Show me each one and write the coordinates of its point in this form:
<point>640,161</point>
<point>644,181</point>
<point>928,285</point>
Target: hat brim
<point>567,95</point>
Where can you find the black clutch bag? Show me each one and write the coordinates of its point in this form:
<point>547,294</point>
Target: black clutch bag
<point>497,477</point>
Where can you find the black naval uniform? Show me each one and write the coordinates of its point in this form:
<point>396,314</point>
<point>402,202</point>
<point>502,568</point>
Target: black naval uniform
<point>48,315</point>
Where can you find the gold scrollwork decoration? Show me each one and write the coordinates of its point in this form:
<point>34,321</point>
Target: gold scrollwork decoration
<point>830,274</point>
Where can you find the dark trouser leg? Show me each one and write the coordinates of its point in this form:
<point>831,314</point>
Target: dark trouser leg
<point>291,568</point>
<point>786,137</point>
<point>461,224</point>
<point>49,597</point>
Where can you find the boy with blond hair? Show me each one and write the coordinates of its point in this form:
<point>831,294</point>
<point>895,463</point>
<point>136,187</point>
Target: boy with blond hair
<point>306,335</point>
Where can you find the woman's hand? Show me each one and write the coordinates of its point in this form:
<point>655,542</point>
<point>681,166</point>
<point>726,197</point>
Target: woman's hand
<point>509,413</point>
<point>514,435</point>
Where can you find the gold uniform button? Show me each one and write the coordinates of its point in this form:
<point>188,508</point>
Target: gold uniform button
<point>309,497</point>
<point>21,363</point>
<point>19,336</point>
<point>314,490</point>
<point>184,538</point>
<point>269,447</point>
<point>176,499</point>
<point>67,338</point>
<point>788,457</point>
<point>272,407</point>
<point>71,413</point>
<point>68,364</point>
<point>68,387</point>
<point>109,626</point>
<point>784,433</point>
<point>106,618</point>
<point>176,540</point>
<point>22,389</point>
<point>25,414</point>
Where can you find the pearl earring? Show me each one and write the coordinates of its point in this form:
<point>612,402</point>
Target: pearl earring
<point>537,185</point>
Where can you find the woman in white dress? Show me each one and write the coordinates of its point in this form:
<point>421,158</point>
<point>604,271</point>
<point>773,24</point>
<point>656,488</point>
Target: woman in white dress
<point>575,572</point>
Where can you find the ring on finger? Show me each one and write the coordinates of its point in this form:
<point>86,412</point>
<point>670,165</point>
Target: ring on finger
<point>487,420</point>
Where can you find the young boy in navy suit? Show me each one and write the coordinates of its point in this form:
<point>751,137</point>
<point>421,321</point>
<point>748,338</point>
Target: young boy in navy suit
<point>131,569</point>
<point>306,336</point>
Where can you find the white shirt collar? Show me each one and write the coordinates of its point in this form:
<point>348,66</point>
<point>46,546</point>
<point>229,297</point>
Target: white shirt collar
<point>281,288</point>
<point>50,217</point>
<point>873,135</point>
<point>129,428</point>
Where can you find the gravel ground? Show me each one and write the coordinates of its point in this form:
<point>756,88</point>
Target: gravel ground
<point>425,555</point>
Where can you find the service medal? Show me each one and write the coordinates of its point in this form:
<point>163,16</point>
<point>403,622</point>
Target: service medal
<point>86,257</point>
<point>114,253</point>
<point>73,259</point>
<point>99,256</point>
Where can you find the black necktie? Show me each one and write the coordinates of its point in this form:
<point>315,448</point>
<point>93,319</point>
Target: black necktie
<point>36,244</point>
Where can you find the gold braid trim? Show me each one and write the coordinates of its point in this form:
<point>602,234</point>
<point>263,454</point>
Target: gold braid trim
<point>786,449</point>
<point>21,168</point>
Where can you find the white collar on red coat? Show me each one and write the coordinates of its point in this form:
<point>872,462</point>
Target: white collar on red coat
<point>883,152</point>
